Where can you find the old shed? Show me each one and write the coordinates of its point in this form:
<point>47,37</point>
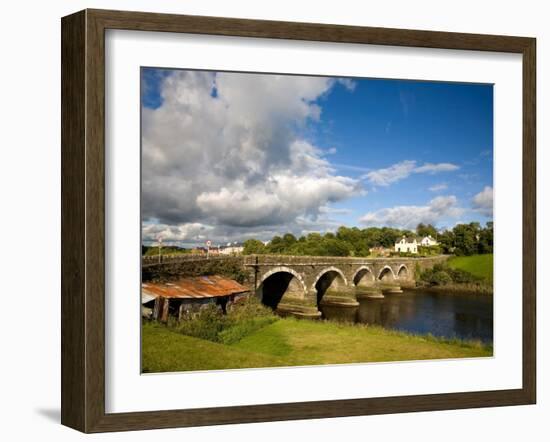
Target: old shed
<point>188,295</point>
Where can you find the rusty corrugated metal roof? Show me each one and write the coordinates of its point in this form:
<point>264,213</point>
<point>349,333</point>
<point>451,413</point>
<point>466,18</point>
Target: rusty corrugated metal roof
<point>194,287</point>
<point>146,297</point>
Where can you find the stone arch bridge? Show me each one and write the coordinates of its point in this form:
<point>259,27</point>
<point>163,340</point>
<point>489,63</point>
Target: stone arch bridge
<point>299,285</point>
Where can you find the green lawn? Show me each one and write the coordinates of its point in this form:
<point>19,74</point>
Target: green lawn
<point>291,342</point>
<point>165,350</point>
<point>478,265</point>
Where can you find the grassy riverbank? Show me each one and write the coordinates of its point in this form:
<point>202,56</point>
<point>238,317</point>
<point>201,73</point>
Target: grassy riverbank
<point>291,342</point>
<point>478,265</point>
<point>460,288</point>
<point>460,274</point>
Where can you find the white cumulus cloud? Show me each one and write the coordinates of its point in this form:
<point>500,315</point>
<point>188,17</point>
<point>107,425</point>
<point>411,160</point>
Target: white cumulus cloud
<point>408,217</point>
<point>396,172</point>
<point>403,169</point>
<point>432,168</point>
<point>225,150</point>
<point>483,202</point>
<point>190,232</point>
<point>438,187</point>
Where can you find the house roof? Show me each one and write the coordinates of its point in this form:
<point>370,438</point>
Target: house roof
<point>428,237</point>
<point>194,287</point>
<point>409,239</point>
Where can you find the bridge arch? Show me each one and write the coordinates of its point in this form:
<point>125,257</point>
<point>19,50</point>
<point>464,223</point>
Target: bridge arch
<point>278,282</point>
<point>284,269</point>
<point>403,272</point>
<point>327,270</point>
<point>330,278</point>
<point>386,273</point>
<point>363,276</point>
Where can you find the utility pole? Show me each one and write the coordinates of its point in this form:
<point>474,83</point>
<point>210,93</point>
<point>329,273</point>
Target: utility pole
<point>160,249</point>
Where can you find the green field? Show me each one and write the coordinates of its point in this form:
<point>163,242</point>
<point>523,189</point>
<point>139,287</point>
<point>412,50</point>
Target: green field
<point>291,342</point>
<point>477,265</point>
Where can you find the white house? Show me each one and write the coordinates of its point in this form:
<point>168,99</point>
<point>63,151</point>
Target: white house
<point>407,245</point>
<point>428,241</point>
<point>231,249</point>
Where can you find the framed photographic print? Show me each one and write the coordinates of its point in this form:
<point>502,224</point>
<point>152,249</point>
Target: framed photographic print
<point>267,221</point>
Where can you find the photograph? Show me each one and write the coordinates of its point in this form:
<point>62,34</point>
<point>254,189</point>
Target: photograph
<point>251,221</point>
<point>295,220</point>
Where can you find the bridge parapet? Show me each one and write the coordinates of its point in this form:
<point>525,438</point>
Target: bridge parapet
<point>167,259</point>
<point>272,260</point>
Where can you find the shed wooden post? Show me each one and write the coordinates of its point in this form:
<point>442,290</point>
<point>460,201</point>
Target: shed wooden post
<point>165,307</point>
<point>157,308</point>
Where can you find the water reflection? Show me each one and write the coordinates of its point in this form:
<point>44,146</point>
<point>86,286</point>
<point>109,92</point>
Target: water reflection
<point>449,315</point>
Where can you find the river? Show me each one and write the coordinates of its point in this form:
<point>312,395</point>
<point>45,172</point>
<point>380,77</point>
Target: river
<point>418,311</point>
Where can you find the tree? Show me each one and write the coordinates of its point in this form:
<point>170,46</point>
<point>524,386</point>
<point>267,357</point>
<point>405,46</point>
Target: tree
<point>289,239</point>
<point>313,237</point>
<point>276,246</point>
<point>388,236</point>
<point>466,238</point>
<point>335,247</point>
<point>485,243</point>
<point>371,236</point>
<point>355,238</point>
<point>253,247</point>
<point>446,241</point>
<point>426,230</point>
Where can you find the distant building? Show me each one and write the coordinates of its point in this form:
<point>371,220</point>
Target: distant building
<point>428,241</point>
<point>407,245</point>
<point>380,251</point>
<point>231,249</point>
<point>212,250</point>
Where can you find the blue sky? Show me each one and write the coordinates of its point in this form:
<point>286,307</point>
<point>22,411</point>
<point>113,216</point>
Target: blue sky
<point>384,122</point>
<point>233,155</point>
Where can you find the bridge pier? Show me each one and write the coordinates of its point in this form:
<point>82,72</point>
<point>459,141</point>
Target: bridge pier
<point>342,297</point>
<point>299,307</point>
<point>372,292</point>
<point>339,305</point>
<point>338,301</point>
<point>392,287</point>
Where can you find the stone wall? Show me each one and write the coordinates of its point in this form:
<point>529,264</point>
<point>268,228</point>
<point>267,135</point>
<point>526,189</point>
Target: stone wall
<point>173,269</point>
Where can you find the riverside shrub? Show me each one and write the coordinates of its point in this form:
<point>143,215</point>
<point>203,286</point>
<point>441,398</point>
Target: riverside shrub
<point>241,320</point>
<point>442,274</point>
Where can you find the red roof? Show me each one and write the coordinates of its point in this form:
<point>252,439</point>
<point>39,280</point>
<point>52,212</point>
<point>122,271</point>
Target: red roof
<point>194,287</point>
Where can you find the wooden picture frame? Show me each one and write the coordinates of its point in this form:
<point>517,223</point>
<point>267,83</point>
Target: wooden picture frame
<point>83,220</point>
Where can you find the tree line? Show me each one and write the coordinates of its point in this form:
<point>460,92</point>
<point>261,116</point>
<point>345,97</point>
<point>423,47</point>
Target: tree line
<point>467,239</point>
<point>463,239</point>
